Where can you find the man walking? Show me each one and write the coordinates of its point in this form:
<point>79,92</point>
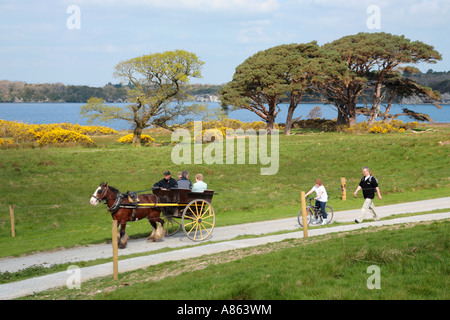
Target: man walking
<point>369,185</point>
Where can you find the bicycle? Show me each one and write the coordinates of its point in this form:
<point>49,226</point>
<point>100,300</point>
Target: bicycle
<point>313,213</point>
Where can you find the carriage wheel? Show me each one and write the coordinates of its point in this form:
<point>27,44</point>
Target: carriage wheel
<point>198,220</point>
<point>171,225</point>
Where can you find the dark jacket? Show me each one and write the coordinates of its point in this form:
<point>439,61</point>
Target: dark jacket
<point>184,183</point>
<point>368,186</point>
<point>167,184</point>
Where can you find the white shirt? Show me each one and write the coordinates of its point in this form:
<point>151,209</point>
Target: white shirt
<point>199,186</point>
<point>323,196</point>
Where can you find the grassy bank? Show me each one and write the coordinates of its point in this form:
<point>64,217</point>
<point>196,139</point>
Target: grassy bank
<point>412,262</point>
<point>50,187</point>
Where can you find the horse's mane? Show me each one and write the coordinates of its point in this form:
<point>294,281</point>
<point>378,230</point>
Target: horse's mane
<point>114,189</point>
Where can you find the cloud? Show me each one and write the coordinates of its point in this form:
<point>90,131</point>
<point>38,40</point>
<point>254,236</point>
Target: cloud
<point>219,5</point>
<point>253,31</point>
<point>258,6</point>
<point>431,7</point>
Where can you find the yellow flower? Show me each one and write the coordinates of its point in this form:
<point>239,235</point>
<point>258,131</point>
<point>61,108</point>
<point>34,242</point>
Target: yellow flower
<point>64,136</point>
<point>129,139</point>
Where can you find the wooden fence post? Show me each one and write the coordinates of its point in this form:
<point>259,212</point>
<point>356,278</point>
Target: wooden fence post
<point>13,226</point>
<point>344,189</point>
<point>115,251</point>
<point>305,225</point>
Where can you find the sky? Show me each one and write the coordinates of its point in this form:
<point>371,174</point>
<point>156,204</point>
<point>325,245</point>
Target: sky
<point>79,42</point>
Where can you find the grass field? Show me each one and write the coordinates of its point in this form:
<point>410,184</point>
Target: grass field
<point>401,262</point>
<point>50,187</point>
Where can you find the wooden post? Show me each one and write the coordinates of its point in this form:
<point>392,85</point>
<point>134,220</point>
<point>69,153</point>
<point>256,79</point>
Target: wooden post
<point>13,226</point>
<point>305,225</point>
<point>344,189</point>
<point>115,250</point>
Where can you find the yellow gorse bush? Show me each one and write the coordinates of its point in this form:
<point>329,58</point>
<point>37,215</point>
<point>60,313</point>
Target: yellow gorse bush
<point>59,136</point>
<point>225,123</point>
<point>211,135</point>
<point>129,139</point>
<point>218,128</point>
<point>24,132</point>
<point>383,127</point>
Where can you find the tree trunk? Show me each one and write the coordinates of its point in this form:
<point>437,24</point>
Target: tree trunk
<point>342,119</point>
<point>373,112</point>
<point>289,121</point>
<point>352,113</point>
<point>294,101</point>
<point>270,123</point>
<point>388,108</point>
<point>271,115</point>
<point>137,136</point>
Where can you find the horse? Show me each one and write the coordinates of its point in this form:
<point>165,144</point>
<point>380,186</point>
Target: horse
<point>124,208</point>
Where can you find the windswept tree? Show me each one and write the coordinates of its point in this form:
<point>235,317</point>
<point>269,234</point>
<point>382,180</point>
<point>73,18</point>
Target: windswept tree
<point>399,87</point>
<point>159,81</point>
<point>257,87</point>
<point>271,76</point>
<point>373,56</point>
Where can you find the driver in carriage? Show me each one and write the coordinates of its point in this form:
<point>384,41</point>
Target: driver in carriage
<point>167,183</point>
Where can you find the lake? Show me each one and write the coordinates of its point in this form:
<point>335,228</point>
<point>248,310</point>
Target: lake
<point>43,113</point>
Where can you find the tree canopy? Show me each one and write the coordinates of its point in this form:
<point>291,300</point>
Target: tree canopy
<point>158,82</point>
<point>268,77</point>
<point>371,57</point>
<point>342,72</point>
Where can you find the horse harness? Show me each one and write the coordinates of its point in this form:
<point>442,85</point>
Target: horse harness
<point>132,198</point>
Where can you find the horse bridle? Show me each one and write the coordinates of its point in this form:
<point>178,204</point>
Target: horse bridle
<point>118,200</point>
<point>99,198</point>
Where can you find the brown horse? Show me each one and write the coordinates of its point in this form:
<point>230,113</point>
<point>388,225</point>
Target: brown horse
<point>124,209</point>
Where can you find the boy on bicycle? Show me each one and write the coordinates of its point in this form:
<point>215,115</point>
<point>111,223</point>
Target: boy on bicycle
<point>321,198</point>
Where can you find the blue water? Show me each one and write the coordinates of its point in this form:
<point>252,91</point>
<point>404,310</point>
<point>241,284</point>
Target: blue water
<point>43,113</point>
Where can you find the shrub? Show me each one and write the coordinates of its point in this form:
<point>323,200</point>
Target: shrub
<point>383,127</point>
<point>129,139</point>
<point>58,136</point>
<point>211,135</point>
<point>318,124</point>
<point>24,132</point>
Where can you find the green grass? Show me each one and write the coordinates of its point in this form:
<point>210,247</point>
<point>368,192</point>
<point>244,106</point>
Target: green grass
<point>412,259</point>
<point>51,187</point>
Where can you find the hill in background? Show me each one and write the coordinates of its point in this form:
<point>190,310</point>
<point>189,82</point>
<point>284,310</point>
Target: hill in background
<point>18,91</point>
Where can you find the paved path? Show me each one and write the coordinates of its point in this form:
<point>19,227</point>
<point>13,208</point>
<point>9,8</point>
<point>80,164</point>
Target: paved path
<point>26,287</point>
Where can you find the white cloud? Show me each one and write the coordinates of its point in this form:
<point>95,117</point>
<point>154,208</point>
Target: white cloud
<point>219,5</point>
<point>261,6</point>
<point>437,7</point>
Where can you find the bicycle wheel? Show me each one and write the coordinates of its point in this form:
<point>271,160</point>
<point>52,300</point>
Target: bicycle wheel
<point>329,212</point>
<point>309,214</point>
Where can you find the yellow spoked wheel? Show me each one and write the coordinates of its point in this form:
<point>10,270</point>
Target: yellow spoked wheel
<point>171,225</point>
<point>198,220</point>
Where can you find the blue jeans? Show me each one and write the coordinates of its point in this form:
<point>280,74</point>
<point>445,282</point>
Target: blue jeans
<point>322,208</point>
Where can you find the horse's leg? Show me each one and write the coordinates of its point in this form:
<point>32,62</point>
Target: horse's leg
<point>160,233</point>
<point>123,240</point>
<point>154,227</point>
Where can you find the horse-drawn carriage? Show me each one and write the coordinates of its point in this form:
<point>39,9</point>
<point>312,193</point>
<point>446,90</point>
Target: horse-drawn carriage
<point>193,208</point>
<point>180,208</point>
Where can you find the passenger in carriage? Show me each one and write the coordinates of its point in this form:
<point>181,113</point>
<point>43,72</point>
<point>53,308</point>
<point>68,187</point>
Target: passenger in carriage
<point>167,183</point>
<point>199,185</point>
<point>184,182</point>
